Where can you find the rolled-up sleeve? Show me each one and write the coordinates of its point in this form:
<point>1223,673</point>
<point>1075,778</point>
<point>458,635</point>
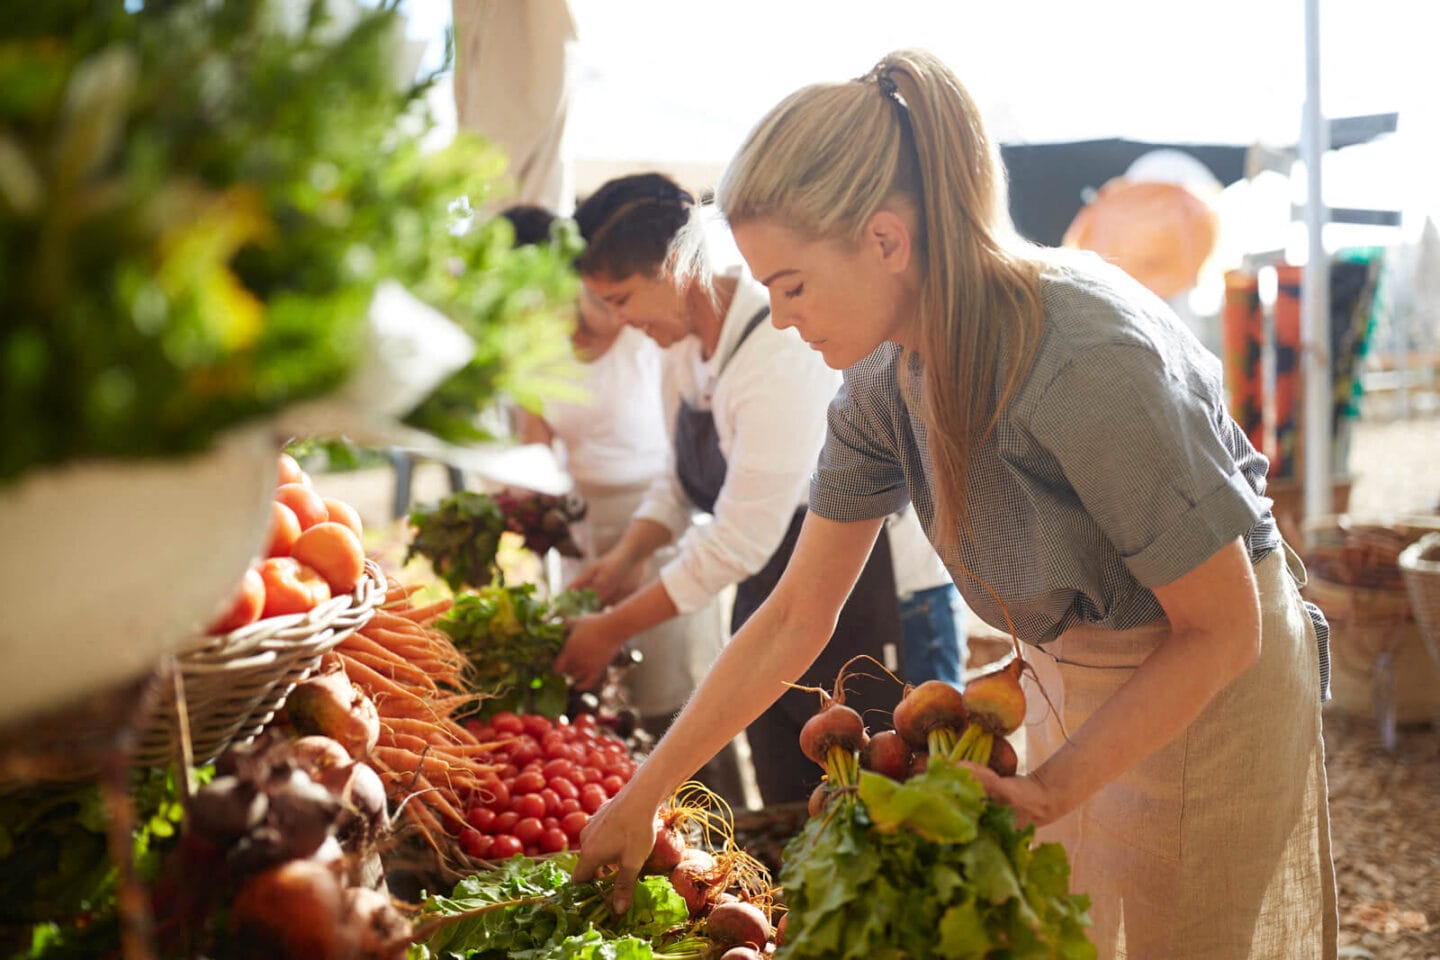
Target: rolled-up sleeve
<point>770,415</point>
<point>1144,452</point>
<point>858,476</point>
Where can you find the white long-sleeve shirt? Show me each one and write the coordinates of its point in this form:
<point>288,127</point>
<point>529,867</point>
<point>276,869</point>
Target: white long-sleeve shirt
<point>616,436</point>
<point>770,410</point>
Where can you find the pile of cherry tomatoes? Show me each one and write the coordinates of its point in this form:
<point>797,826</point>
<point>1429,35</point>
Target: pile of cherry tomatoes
<point>553,776</point>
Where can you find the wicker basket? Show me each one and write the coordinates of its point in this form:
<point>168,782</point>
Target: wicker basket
<point>1420,565</point>
<point>235,682</point>
<point>1379,664</point>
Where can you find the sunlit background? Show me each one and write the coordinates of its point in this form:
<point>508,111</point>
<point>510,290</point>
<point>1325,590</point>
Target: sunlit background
<point>658,81</point>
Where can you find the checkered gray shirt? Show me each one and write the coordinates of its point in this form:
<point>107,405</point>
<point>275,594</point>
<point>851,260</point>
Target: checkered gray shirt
<point>1114,468</point>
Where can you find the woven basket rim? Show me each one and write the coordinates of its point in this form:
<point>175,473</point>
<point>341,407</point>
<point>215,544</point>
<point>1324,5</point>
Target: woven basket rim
<point>243,677</point>
<point>1413,558</point>
<point>290,627</point>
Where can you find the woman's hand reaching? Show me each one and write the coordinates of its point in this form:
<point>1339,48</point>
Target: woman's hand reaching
<point>613,578</point>
<point>620,834</point>
<point>590,645</point>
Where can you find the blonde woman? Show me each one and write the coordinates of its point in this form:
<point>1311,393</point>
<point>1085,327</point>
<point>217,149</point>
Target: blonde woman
<point>1065,438</point>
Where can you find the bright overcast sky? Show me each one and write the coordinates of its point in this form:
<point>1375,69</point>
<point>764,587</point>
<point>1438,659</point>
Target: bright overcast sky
<point>683,80</point>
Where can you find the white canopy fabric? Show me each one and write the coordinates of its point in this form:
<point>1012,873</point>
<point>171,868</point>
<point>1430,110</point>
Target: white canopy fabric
<point>511,85</point>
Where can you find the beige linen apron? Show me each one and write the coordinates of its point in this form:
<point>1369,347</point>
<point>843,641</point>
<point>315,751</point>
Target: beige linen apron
<point>1216,847</point>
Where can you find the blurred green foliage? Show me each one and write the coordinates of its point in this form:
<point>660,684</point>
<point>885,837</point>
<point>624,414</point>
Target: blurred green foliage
<point>197,200</point>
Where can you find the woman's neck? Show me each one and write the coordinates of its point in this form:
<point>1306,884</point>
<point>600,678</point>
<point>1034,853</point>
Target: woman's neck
<point>708,308</point>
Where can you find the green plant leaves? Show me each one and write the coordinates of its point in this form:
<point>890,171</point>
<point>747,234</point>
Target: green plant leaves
<point>529,909</point>
<point>198,199</point>
<point>928,868</point>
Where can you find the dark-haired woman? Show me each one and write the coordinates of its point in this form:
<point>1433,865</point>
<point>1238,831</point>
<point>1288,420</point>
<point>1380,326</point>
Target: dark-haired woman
<point>746,402</point>
<point>614,443</point>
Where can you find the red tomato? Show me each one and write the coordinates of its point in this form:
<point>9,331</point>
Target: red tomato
<point>334,550</point>
<point>592,797</point>
<point>532,781</point>
<point>573,823</point>
<point>528,805</point>
<point>586,722</point>
<point>536,725</point>
<point>474,843</point>
<point>552,801</point>
<point>290,586</point>
<point>612,784</point>
<point>507,722</point>
<point>481,818</point>
<point>563,788</point>
<point>504,846</point>
<point>245,606</point>
<point>284,530</point>
<point>505,822</point>
<point>308,506</point>
<point>553,840</point>
<point>289,471</point>
<point>558,768</point>
<point>341,512</point>
<point>499,795</point>
<point>524,750</point>
<point>528,830</point>
<point>569,806</point>
<point>589,775</point>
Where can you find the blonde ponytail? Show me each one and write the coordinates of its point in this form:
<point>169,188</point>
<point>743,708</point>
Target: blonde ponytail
<point>830,155</point>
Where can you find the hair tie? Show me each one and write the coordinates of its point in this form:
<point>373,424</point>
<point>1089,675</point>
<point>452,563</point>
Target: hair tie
<point>886,83</point>
<point>881,77</point>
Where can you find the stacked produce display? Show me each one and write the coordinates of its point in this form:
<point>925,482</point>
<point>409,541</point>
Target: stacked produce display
<point>424,789</point>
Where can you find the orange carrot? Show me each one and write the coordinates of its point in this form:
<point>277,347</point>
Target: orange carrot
<point>397,670</point>
<point>373,682</point>
<point>428,612</point>
<point>362,642</point>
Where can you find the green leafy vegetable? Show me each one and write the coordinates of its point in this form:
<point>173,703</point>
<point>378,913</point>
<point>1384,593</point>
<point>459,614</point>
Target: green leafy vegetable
<point>512,638</point>
<point>460,537</point>
<point>57,885</point>
<point>529,910</point>
<point>928,868</point>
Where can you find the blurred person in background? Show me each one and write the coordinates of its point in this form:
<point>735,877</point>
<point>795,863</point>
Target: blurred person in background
<point>746,404</point>
<point>614,445</point>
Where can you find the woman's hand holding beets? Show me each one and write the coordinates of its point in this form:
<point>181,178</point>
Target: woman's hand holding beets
<point>1027,795</point>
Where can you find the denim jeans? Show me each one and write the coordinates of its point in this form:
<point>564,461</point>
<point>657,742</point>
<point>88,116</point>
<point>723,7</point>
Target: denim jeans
<point>933,644</point>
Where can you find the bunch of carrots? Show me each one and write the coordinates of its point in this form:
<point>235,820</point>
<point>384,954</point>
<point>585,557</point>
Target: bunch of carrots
<point>429,763</point>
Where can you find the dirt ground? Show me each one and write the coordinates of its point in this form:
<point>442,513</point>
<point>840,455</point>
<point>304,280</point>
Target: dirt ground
<point>1385,807</point>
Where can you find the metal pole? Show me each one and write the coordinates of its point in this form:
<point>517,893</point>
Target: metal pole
<point>1315,286</point>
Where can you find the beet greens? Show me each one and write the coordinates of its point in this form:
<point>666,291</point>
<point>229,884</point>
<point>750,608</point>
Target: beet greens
<point>928,868</point>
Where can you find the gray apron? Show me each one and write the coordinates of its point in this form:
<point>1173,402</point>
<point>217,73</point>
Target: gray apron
<point>868,622</point>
